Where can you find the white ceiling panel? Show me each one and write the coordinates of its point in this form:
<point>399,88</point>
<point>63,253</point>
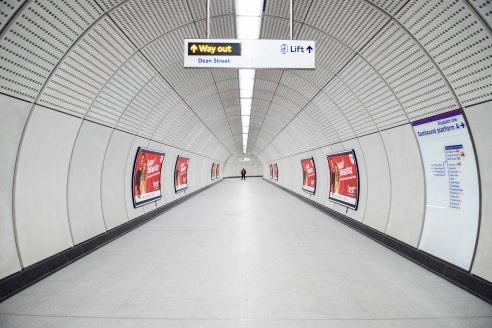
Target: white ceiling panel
<point>459,43</point>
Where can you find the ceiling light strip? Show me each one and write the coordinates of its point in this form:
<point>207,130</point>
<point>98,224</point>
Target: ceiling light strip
<point>248,26</point>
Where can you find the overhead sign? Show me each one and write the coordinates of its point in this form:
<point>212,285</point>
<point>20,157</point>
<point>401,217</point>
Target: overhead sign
<point>214,49</point>
<point>267,54</point>
<point>452,190</point>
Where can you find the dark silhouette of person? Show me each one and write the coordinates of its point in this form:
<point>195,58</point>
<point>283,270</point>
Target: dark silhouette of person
<point>243,174</point>
<point>140,176</point>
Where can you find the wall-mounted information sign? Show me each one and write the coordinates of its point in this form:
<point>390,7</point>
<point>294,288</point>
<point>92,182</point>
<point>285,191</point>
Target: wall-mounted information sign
<point>217,171</point>
<point>452,191</point>
<point>146,181</point>
<point>271,170</point>
<point>308,175</point>
<point>181,174</point>
<point>275,172</point>
<point>269,54</point>
<point>344,179</point>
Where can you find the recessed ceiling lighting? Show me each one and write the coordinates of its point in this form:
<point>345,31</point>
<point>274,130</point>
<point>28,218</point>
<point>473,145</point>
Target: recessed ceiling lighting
<point>248,26</point>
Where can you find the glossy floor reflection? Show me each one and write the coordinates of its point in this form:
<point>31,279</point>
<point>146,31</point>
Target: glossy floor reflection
<point>244,254</point>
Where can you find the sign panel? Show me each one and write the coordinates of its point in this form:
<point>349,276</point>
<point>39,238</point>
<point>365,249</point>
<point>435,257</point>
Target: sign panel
<point>212,174</point>
<point>271,171</point>
<point>308,175</point>
<point>224,53</point>
<point>344,179</point>
<point>275,171</point>
<point>181,174</point>
<point>452,190</point>
<point>217,173</point>
<point>146,181</point>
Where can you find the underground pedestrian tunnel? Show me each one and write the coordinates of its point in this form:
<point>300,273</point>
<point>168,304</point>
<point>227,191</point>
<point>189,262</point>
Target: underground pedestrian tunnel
<point>367,193</point>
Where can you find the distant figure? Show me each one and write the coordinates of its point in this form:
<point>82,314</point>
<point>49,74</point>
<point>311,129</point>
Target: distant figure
<point>243,174</point>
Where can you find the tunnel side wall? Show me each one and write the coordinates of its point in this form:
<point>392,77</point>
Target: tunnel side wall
<point>392,189</point>
<point>71,180</point>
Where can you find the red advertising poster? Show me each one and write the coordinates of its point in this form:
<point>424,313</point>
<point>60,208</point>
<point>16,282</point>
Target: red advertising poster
<point>213,171</point>
<point>271,171</point>
<point>275,172</point>
<point>344,178</point>
<point>217,171</point>
<point>308,175</point>
<point>181,174</point>
<point>146,181</point>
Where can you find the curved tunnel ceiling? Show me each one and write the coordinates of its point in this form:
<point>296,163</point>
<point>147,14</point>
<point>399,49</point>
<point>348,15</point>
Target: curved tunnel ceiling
<point>379,64</point>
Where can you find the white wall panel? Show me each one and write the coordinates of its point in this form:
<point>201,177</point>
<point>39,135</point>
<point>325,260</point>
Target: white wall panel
<point>113,179</point>
<point>407,185</point>
<point>322,179</point>
<point>378,182</point>
<point>13,115</point>
<point>479,118</point>
<point>41,184</point>
<point>84,182</point>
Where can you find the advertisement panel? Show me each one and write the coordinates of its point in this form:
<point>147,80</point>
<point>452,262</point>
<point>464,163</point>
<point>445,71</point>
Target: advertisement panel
<point>271,171</point>
<point>344,179</point>
<point>217,173</point>
<point>275,172</point>
<point>212,174</point>
<point>181,174</point>
<point>146,180</point>
<point>452,190</point>
<point>308,175</point>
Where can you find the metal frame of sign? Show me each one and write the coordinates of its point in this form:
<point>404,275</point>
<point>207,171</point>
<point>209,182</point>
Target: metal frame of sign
<point>315,176</point>
<point>352,151</point>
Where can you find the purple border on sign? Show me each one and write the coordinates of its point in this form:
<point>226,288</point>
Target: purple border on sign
<point>437,117</point>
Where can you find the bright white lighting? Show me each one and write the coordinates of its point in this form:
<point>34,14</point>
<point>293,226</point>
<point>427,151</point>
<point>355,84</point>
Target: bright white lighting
<point>245,120</point>
<point>246,93</point>
<point>248,26</point>
<point>246,74</point>
<point>246,103</point>
<point>246,84</point>
<point>249,8</point>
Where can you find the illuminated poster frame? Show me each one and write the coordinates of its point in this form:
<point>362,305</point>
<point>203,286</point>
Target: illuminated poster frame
<point>182,184</point>
<point>212,173</point>
<point>341,167</point>
<point>217,173</point>
<point>305,176</point>
<point>151,185</point>
<point>271,170</point>
<point>275,172</point>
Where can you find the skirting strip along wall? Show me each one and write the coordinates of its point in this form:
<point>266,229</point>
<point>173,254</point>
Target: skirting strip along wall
<point>34,273</point>
<point>453,274</point>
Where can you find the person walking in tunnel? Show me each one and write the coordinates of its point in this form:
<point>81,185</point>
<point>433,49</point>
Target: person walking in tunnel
<point>243,174</point>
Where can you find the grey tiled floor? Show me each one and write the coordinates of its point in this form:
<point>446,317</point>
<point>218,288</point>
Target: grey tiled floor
<point>244,254</point>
